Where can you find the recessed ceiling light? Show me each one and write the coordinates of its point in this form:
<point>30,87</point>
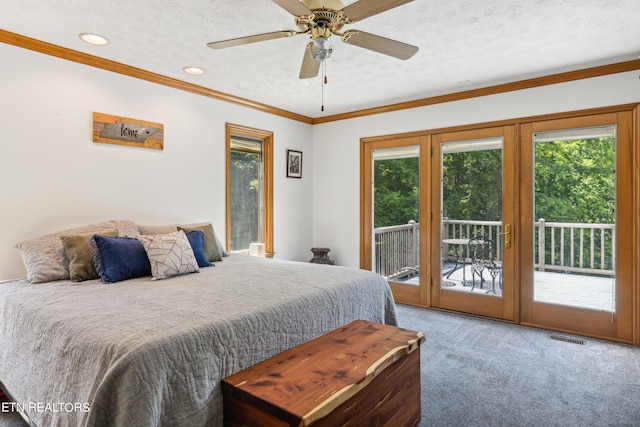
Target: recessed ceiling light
<point>94,39</point>
<point>464,82</point>
<point>193,70</point>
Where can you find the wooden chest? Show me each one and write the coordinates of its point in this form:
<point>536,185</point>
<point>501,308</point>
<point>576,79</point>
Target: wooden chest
<point>361,374</point>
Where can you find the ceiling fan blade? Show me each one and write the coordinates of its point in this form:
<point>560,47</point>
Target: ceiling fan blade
<point>310,65</point>
<point>365,8</point>
<point>251,39</point>
<point>294,7</point>
<point>379,44</point>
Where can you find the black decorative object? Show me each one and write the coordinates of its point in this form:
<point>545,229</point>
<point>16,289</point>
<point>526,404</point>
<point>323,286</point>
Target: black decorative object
<point>320,256</point>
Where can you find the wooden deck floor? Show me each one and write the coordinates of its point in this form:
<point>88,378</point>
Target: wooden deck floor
<point>591,292</point>
<point>594,292</point>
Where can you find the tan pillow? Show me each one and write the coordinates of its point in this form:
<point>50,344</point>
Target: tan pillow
<point>157,229</point>
<point>78,253</point>
<point>43,256</point>
<point>211,250</point>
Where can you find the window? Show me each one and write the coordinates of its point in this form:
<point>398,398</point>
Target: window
<point>246,195</point>
<point>249,188</point>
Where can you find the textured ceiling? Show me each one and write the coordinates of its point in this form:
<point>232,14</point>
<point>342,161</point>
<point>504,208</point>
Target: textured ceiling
<point>464,44</point>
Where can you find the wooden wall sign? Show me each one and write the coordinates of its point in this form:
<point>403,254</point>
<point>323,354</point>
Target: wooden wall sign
<point>124,131</point>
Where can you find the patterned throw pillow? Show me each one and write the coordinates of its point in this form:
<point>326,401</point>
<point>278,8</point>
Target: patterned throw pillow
<point>169,254</point>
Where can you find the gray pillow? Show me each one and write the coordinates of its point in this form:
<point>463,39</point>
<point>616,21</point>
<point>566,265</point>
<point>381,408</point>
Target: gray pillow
<point>44,257</point>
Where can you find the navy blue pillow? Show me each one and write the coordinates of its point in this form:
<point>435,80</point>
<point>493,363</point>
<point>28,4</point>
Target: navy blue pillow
<point>120,258</point>
<point>196,239</point>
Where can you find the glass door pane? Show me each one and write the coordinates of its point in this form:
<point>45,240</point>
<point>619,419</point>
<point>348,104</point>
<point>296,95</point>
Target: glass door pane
<point>574,218</point>
<point>396,214</point>
<point>471,218</point>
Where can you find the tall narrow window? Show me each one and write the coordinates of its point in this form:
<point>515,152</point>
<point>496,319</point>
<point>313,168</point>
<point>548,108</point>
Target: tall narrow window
<point>247,193</point>
<point>249,189</point>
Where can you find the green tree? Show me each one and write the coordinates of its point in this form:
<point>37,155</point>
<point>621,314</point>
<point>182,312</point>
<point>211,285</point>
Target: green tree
<point>397,191</point>
<point>245,198</point>
<point>575,183</point>
<point>575,180</point>
<point>472,185</point>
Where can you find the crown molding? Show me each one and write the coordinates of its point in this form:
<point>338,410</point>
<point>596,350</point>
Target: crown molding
<point>586,73</point>
<point>116,67</point>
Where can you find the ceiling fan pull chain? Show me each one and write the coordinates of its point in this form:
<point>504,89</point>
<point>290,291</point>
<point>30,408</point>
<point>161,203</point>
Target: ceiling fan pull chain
<point>323,82</point>
<point>325,71</point>
<point>322,106</point>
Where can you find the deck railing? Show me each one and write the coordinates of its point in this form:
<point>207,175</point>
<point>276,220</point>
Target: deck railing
<point>577,248</point>
<point>397,249</point>
<point>571,247</point>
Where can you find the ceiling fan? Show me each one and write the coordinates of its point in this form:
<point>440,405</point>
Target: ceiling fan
<point>322,18</point>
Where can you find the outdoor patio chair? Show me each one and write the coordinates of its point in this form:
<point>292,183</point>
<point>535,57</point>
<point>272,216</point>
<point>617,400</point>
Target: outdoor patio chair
<point>483,257</point>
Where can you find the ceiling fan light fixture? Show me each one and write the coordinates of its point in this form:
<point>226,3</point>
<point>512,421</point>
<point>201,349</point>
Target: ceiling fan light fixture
<point>94,39</point>
<point>322,42</point>
<point>321,50</point>
<point>321,54</point>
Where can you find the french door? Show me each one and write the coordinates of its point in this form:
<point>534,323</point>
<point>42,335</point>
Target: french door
<point>534,222</point>
<point>472,229</point>
<point>577,225</point>
<point>394,210</point>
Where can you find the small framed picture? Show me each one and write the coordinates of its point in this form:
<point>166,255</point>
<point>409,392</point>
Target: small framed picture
<point>294,164</point>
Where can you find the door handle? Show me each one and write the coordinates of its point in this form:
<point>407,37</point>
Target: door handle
<point>507,236</point>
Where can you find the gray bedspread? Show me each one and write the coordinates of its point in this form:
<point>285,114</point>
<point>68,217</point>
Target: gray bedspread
<point>152,353</point>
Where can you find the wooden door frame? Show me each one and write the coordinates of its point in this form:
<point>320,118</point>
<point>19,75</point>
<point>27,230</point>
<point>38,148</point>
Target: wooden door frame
<point>406,294</point>
<point>505,307</point>
<point>636,224</point>
<point>618,326</point>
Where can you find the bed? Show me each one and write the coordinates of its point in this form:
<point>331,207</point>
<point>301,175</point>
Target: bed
<point>152,352</point>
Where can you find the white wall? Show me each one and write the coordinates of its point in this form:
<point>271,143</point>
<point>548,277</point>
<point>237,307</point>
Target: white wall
<point>337,144</point>
<point>52,176</point>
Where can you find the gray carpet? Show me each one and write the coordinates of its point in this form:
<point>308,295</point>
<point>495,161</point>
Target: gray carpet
<point>478,372</point>
<point>484,373</point>
<point>11,420</point>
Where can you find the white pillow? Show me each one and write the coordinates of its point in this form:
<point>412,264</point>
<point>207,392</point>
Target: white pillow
<point>169,254</point>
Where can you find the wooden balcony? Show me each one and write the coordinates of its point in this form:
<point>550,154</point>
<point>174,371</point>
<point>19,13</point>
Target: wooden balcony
<point>574,263</point>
